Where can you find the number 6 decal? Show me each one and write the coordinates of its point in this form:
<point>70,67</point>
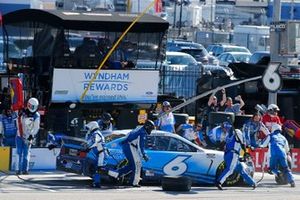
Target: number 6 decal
<point>176,167</point>
<point>271,79</point>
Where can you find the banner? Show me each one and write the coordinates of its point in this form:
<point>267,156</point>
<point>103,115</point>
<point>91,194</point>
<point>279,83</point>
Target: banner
<point>261,159</point>
<point>136,86</point>
<point>40,159</point>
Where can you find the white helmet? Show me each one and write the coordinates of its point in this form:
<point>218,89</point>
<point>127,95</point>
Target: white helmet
<point>32,104</point>
<point>275,127</point>
<point>273,107</point>
<point>92,125</point>
<point>240,136</point>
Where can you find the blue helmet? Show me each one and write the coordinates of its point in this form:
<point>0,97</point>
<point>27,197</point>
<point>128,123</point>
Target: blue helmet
<point>227,126</point>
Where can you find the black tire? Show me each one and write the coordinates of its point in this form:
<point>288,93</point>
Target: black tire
<point>176,183</point>
<point>216,118</point>
<point>233,179</point>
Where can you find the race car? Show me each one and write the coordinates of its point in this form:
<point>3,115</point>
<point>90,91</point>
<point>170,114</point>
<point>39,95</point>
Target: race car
<point>169,155</point>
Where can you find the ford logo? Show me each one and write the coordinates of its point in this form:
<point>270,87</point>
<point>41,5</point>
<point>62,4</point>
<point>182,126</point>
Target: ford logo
<point>149,93</point>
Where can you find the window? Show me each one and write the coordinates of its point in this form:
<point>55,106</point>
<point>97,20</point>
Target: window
<point>165,143</point>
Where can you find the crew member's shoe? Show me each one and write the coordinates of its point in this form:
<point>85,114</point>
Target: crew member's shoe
<point>254,186</point>
<point>96,185</point>
<point>18,172</point>
<point>25,173</point>
<point>293,184</point>
<point>113,173</point>
<point>219,186</point>
<point>136,185</point>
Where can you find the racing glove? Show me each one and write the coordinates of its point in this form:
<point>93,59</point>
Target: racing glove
<point>145,157</point>
<point>30,138</point>
<point>51,146</point>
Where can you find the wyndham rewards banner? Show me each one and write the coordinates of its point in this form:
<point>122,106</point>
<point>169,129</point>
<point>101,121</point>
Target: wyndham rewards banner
<point>109,86</point>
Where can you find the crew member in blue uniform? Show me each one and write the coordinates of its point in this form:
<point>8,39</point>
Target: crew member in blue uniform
<point>28,124</point>
<point>251,130</point>
<point>105,124</point>
<point>279,148</point>
<point>133,148</point>
<point>234,145</point>
<point>95,146</point>
<point>218,134</point>
<point>8,128</point>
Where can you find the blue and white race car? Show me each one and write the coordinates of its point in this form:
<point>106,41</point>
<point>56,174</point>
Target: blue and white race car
<point>169,155</point>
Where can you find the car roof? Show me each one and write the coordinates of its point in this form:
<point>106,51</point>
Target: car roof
<point>236,53</point>
<point>175,53</point>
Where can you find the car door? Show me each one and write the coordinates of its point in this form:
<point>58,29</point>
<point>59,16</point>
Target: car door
<point>175,157</point>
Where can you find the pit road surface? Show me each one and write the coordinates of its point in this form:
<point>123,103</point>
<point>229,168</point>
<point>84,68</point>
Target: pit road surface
<point>57,185</point>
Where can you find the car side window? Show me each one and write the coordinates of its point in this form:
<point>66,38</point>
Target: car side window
<point>180,146</point>
<point>157,143</point>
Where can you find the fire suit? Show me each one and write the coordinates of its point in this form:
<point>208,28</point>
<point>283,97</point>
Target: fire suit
<point>217,136</point>
<point>278,151</point>
<point>251,130</point>
<point>28,124</point>
<point>231,157</point>
<point>133,148</point>
<point>8,129</point>
<point>96,147</point>
<point>268,120</point>
<point>167,123</point>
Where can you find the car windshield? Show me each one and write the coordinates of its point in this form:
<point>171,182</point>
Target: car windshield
<point>235,49</point>
<point>181,60</point>
<point>242,58</point>
<point>196,53</point>
<point>13,52</point>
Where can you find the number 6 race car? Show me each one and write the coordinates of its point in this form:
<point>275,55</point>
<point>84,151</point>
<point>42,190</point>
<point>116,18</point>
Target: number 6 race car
<point>169,155</point>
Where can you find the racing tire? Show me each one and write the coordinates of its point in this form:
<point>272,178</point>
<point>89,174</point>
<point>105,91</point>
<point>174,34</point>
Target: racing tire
<point>176,183</point>
<point>216,118</point>
<point>233,179</point>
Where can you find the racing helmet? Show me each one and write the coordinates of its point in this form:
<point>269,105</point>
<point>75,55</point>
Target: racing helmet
<point>149,126</point>
<point>106,117</point>
<point>32,104</point>
<point>166,104</point>
<point>227,126</point>
<point>276,127</point>
<point>273,107</point>
<point>92,126</point>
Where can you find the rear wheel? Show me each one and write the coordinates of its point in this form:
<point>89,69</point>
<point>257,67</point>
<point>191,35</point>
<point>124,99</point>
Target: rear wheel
<point>176,183</point>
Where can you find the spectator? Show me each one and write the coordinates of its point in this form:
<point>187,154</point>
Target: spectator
<point>167,121</point>
<point>8,128</point>
<point>213,106</point>
<point>234,108</point>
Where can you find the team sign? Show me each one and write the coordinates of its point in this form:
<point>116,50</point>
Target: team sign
<point>108,86</point>
<point>261,159</point>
